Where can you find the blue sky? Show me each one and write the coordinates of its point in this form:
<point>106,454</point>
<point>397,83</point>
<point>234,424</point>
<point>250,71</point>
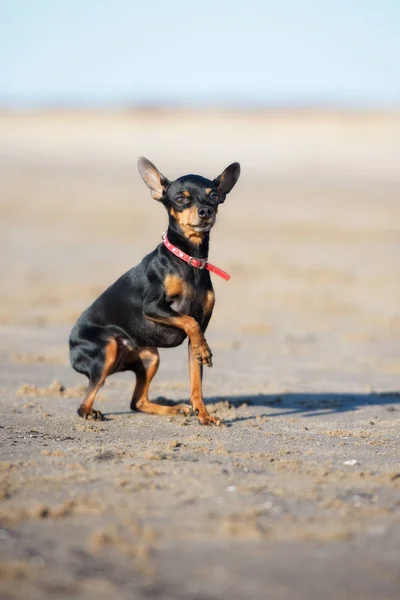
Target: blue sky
<point>250,52</point>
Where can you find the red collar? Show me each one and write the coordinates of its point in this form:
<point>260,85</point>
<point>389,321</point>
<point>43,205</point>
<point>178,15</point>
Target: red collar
<point>198,263</point>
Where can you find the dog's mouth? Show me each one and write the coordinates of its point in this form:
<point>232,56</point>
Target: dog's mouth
<point>202,228</point>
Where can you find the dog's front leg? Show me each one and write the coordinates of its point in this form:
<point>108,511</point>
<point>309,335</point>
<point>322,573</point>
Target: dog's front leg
<point>196,393</point>
<point>160,312</point>
<point>199,353</point>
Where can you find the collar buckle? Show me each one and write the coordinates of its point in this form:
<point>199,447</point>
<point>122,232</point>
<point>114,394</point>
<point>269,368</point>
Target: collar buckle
<point>201,262</point>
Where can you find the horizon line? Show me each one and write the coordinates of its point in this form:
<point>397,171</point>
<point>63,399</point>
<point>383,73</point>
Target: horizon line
<point>201,106</point>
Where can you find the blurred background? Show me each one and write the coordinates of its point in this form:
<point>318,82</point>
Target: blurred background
<point>305,95</point>
<point>213,53</point>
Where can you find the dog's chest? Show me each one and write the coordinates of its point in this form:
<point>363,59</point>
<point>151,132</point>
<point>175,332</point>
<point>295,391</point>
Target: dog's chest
<point>188,303</point>
<point>187,297</point>
<point>182,295</point>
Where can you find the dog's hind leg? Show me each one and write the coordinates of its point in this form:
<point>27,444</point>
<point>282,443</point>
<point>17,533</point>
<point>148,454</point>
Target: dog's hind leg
<point>145,367</point>
<point>102,366</point>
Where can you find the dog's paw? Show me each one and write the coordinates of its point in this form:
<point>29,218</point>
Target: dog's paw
<point>92,414</point>
<point>184,409</point>
<point>206,419</point>
<point>203,354</point>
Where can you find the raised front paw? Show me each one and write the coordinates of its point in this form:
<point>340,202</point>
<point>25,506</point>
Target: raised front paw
<point>203,354</point>
<point>94,415</point>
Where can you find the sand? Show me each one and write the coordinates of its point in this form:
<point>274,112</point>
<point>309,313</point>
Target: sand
<point>298,495</point>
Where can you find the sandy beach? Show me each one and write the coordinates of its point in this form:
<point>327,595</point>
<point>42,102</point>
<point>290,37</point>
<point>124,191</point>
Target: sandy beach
<point>298,495</point>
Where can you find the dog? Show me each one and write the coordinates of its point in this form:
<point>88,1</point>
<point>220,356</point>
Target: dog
<point>157,304</point>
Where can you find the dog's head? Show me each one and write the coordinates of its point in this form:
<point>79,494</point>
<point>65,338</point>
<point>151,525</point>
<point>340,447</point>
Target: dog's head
<point>192,201</point>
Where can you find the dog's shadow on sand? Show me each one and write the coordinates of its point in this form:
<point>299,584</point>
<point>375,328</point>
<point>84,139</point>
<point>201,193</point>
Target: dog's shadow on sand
<point>292,403</point>
<point>309,404</point>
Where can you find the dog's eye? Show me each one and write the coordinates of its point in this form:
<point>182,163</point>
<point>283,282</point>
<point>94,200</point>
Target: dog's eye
<point>181,200</point>
<point>214,197</point>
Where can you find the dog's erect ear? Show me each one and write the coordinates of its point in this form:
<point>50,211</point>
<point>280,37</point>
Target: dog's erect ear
<point>225,182</point>
<point>152,178</point>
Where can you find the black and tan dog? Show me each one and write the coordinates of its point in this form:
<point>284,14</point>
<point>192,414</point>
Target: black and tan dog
<point>160,302</point>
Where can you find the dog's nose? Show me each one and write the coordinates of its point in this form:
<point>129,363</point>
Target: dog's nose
<point>205,212</point>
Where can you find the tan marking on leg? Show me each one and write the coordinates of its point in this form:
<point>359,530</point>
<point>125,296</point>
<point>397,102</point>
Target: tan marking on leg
<point>85,410</point>
<point>149,359</point>
<point>196,394</point>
